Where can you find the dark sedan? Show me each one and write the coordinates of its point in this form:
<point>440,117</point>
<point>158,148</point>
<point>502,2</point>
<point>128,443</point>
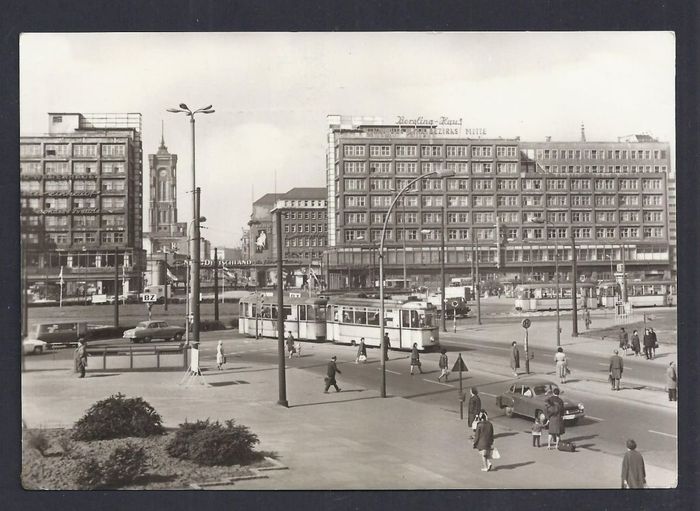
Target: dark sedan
<point>527,398</point>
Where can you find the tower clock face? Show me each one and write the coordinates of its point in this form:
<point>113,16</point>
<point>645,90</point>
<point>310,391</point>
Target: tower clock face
<point>163,172</point>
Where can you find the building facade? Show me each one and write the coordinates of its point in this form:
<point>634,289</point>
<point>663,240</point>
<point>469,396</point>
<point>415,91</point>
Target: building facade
<point>81,204</point>
<point>511,205</point>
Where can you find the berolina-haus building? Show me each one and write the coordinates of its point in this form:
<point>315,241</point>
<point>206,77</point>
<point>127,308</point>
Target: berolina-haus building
<point>512,204</point>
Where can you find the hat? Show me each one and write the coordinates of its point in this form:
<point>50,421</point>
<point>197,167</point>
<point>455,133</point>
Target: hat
<point>631,444</point>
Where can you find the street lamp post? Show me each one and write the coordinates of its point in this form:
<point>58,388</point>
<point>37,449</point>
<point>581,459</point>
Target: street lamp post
<point>442,271</point>
<point>195,241</point>
<point>477,284</point>
<point>574,297</point>
<point>381,267</point>
<point>556,271</point>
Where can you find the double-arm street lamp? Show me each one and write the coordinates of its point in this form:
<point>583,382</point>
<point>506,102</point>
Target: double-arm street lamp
<point>543,221</point>
<point>441,174</point>
<point>195,240</point>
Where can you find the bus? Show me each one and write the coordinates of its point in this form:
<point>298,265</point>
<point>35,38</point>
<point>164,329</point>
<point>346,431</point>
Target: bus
<point>541,296</point>
<point>304,317</point>
<point>348,319</point>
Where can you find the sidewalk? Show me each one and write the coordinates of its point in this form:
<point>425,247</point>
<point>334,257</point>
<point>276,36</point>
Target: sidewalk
<point>348,440</point>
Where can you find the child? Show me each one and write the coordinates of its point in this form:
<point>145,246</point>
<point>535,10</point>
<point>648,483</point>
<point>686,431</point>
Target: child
<point>537,432</point>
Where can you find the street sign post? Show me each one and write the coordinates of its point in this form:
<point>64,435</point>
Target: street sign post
<point>454,315</point>
<point>526,324</point>
<point>460,366</point>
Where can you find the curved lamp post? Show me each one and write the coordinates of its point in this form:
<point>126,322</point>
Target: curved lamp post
<point>195,240</point>
<point>556,271</point>
<point>381,266</point>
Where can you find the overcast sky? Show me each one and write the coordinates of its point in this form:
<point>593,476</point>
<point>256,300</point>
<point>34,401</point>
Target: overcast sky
<point>272,93</point>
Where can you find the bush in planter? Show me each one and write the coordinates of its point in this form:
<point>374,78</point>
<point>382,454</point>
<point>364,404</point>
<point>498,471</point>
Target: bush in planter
<point>125,465</point>
<point>211,443</point>
<point>209,324</point>
<point>118,417</point>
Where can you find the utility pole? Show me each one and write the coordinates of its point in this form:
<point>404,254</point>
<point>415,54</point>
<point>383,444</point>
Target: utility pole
<point>403,237</point>
<point>478,280</point>
<point>574,296</point>
<point>442,271</point>
<point>116,288</point>
<point>194,253</point>
<point>280,318</point>
<point>216,284</point>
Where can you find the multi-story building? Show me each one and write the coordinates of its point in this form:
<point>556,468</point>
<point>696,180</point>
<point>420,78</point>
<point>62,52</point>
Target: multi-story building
<point>81,203</point>
<point>514,204</point>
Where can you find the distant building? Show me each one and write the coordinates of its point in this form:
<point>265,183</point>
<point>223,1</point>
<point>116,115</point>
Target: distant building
<point>81,200</point>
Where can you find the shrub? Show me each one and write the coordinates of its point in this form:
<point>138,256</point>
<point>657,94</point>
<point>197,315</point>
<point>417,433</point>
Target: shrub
<point>234,323</point>
<point>210,324</point>
<point>39,441</point>
<point>118,417</point>
<point>67,445</point>
<point>124,466</point>
<point>210,443</point>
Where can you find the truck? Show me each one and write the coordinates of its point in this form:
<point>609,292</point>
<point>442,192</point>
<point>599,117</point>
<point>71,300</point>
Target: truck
<point>455,304</point>
<point>67,332</point>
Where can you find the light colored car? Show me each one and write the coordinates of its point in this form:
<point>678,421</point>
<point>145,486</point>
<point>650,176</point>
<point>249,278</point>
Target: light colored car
<point>145,331</point>
<point>34,346</point>
<point>527,398</point>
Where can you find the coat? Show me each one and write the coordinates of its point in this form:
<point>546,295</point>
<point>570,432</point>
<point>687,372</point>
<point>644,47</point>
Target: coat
<point>415,357</point>
<point>623,338</point>
<point>616,367</point>
<point>648,342</point>
<point>635,343</point>
<point>633,472</point>
<point>362,349</point>
<point>483,436</point>
<point>555,413</point>
<point>671,378</point>
<point>442,363</point>
<point>654,340</point>
<point>515,358</point>
<point>219,354</point>
<point>331,370</point>
<point>473,409</point>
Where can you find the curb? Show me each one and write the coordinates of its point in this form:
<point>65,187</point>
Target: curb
<point>255,473</point>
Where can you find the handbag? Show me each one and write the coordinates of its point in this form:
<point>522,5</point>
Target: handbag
<point>362,358</point>
<point>474,423</point>
<point>495,454</point>
<point>223,360</point>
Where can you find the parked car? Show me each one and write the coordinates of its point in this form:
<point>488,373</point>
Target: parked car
<point>69,332</point>
<point>147,330</point>
<point>527,398</point>
<point>34,346</point>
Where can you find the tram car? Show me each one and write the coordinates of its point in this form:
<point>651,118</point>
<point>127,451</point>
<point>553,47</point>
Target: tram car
<point>304,317</point>
<point>543,297</point>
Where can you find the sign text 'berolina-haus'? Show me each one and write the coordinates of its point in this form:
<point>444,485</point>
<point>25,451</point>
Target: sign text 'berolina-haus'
<point>424,127</point>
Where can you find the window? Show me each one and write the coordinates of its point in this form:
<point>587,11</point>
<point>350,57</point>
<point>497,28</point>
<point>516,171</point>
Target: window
<point>427,167</point>
<point>483,200</point>
<point>112,167</point>
<point>85,150</point>
<point>653,232</point>
<point>482,151</point>
<point>112,203</point>
<point>651,200</point>
<point>56,203</point>
<point>482,184</point>
<point>628,184</point>
<point>406,150</point>
<point>507,184</point>
<point>431,234</point>
<point>605,184</point>
<point>401,183</point>
<point>460,151</point>
<point>56,222</point>
<point>629,200</point>
<point>580,184</point>
<point>432,201</point>
<point>355,218</point>
<point>556,184</point>
<point>56,186</point>
<point>84,167</point>
<point>458,201</point>
<point>432,218</point>
<point>458,218</point>
<point>353,150</point>
<point>458,167</point>
<point>605,216</point>
<point>375,167</point>
<point>34,186</point>
<point>58,238</point>
<point>581,217</point>
<point>380,184</point>
<point>582,232</point>
<point>532,184</point>
<point>407,218</point>
<point>653,216</point>
<point>57,167</point>
<point>354,167</point>
<point>506,151</point>
<point>507,168</point>
<point>458,184</point>
<point>114,185</point>
<point>30,203</point>
<point>557,233</point>
<point>605,232</point>
<point>651,184</point>
<point>604,200</point>
<point>117,150</point>
<point>557,200</point>
<point>507,200</point>
<point>532,200</point>
<point>406,167</point>
<point>532,233</point>
<point>57,150</point>
<point>580,200</point>
<point>28,168</point>
<point>430,150</point>
<point>380,150</point>
<point>629,232</point>
<point>432,184</point>
<point>379,201</point>
<point>482,168</point>
<point>355,184</point>
<point>484,234</point>
<point>483,218</point>
<point>29,150</point>
<point>556,217</point>
<point>629,216</point>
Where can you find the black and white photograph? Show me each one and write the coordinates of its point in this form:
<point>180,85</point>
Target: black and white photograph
<point>349,260</point>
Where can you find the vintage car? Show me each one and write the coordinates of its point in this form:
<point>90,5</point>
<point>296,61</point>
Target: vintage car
<point>34,346</point>
<point>527,398</point>
<point>147,330</point>
<point>66,332</point>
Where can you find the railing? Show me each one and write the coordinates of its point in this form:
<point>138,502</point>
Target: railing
<point>130,358</point>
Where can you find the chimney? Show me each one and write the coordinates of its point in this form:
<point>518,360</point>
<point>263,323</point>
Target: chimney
<point>583,133</point>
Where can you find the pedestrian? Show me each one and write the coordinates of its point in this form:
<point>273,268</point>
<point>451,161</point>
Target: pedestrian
<point>635,343</point>
<point>290,344</point>
<point>415,359</point>
<point>633,472</point>
<point>483,440</point>
<point>361,352</point>
<point>587,318</point>
<point>515,359</point>
<point>220,357</point>
<point>387,344</point>
<point>555,411</point>
<point>654,342</point>
<point>473,410</point>
<point>561,364</point>
<point>672,382</point>
<point>537,428</point>
<point>443,365</point>
<point>80,358</point>
<point>330,375</point>
<point>647,344</point>
<point>616,367</point>
<point>623,339</point>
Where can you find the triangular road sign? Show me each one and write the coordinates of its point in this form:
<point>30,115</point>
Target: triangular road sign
<point>459,365</point>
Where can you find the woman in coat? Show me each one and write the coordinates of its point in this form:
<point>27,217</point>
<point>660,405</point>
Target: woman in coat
<point>415,359</point>
<point>361,351</point>
<point>672,382</point>
<point>515,359</point>
<point>561,367</point>
<point>483,440</point>
<point>555,421</point>
<point>473,408</point>
<point>220,357</point>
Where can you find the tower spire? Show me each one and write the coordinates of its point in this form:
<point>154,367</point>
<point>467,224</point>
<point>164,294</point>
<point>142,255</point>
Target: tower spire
<point>583,133</point>
<point>162,134</point>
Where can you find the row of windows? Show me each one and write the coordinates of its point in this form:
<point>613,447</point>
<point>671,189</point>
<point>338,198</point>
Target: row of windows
<point>111,185</point>
<point>430,151</point>
<point>513,234</point>
<point>62,239</point>
<point>35,168</point>
<point>307,241</point>
<point>294,228</point>
<point>600,154</point>
<point>62,203</point>
<point>78,221</point>
<point>79,150</point>
<point>610,169</point>
<point>622,200</point>
<point>411,167</point>
<point>304,215</point>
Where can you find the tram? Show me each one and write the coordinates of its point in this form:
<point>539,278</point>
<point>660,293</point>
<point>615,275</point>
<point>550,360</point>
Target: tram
<point>304,317</point>
<point>542,297</point>
<point>650,293</point>
<point>608,294</point>
<point>348,319</point>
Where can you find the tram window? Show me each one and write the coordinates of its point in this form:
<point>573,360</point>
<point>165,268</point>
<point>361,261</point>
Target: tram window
<point>302,312</point>
<point>274,312</point>
<point>373,317</point>
<point>347,316</point>
<point>360,317</point>
<point>335,314</point>
<point>414,319</point>
<point>405,318</point>
<point>287,312</point>
<point>389,318</point>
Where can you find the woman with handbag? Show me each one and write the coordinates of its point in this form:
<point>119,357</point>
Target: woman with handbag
<point>561,364</point>
<point>220,357</point>
<point>473,409</point>
<point>483,441</point>
<point>415,359</point>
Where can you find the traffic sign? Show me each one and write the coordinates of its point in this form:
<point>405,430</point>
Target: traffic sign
<point>526,323</point>
<point>455,303</point>
<point>459,365</point>
<point>149,297</point>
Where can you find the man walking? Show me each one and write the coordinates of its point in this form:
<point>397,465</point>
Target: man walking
<point>647,343</point>
<point>654,342</point>
<point>290,344</point>
<point>633,472</point>
<point>624,340</point>
<point>442,364</point>
<point>483,440</point>
<point>616,367</point>
<point>330,375</point>
<point>80,357</point>
<point>515,359</point>
<point>672,382</point>
<point>587,318</point>
<point>636,347</point>
<point>387,344</point>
